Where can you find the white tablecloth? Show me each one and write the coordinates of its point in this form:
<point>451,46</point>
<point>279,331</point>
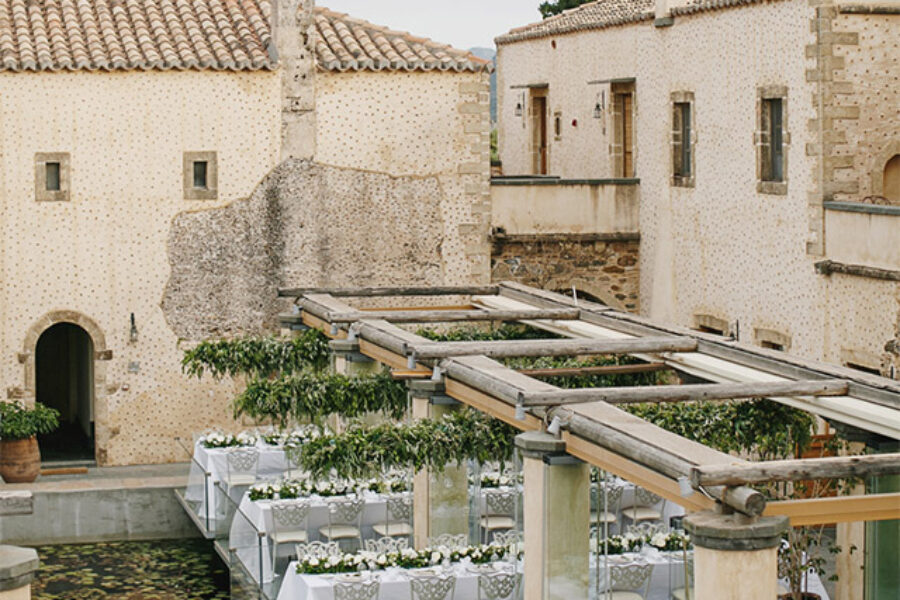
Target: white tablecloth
<point>272,464</point>
<point>394,585</point>
<point>253,517</point>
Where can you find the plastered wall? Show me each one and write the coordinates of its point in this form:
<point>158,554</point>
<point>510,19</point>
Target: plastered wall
<point>719,248</point>
<point>101,256</point>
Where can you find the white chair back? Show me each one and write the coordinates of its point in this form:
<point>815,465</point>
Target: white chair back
<point>502,585</point>
<point>432,587</point>
<point>356,588</point>
<point>386,545</point>
<point>318,549</point>
<point>453,541</point>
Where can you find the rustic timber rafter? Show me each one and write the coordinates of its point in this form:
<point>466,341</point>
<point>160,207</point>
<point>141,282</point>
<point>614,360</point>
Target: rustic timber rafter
<point>452,316</point>
<point>685,393</point>
<point>371,292</point>
<point>592,427</point>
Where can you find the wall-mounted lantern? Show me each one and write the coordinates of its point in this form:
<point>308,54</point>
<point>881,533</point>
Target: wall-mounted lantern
<point>519,108</point>
<point>133,334</point>
<point>600,105</point>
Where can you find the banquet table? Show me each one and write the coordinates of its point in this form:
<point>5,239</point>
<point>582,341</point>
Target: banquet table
<point>272,463</point>
<point>394,585</point>
<point>255,517</point>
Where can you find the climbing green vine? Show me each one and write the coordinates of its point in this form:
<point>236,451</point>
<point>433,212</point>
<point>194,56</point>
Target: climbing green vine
<point>310,395</point>
<point>257,357</point>
<point>432,443</point>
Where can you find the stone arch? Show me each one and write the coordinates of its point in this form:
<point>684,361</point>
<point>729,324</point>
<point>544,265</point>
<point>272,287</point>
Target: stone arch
<point>885,169</point>
<point>102,355</point>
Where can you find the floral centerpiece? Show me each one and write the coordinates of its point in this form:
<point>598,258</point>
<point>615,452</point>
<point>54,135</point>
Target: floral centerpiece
<point>218,439</point>
<point>664,542</point>
<point>295,437</point>
<point>496,479</point>
<point>408,558</point>
<point>670,542</point>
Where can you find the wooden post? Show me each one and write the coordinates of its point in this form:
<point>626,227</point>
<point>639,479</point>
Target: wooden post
<point>735,557</point>
<point>440,500</point>
<point>556,518</point>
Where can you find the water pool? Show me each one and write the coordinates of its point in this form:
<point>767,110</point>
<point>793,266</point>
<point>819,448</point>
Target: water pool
<point>170,570</point>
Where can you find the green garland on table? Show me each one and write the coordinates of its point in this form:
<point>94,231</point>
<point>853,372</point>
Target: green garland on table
<point>308,395</point>
<point>431,443</point>
<point>257,357</point>
<point>407,558</point>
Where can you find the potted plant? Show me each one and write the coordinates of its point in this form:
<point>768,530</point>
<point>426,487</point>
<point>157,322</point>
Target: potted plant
<point>20,457</point>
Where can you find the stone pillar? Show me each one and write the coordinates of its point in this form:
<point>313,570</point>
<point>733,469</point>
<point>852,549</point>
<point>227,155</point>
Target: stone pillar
<point>17,568</point>
<point>851,538</point>
<point>348,360</point>
<point>293,39</point>
<point>735,557</point>
<point>440,500</point>
<point>557,519</point>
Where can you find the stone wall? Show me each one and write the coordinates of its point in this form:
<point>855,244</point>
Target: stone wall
<point>606,267</point>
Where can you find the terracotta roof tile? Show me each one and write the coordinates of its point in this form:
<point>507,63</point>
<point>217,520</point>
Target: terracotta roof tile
<point>52,35</point>
<point>348,44</point>
<point>593,15</point>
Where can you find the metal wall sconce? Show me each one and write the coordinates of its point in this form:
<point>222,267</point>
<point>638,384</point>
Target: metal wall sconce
<point>133,334</point>
<point>599,107</point>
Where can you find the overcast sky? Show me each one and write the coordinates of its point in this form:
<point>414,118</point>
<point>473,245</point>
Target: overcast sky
<point>460,23</point>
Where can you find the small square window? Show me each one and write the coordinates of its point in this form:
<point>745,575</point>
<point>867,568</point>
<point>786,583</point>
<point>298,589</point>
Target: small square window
<point>201,176</point>
<point>51,177</point>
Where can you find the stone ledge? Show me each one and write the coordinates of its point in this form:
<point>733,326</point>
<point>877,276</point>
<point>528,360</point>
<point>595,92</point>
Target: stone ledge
<point>735,532</point>
<point>16,503</point>
<point>17,567</point>
<point>535,444</point>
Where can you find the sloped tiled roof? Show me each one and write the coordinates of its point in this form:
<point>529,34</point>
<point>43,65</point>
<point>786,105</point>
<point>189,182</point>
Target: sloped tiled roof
<point>348,44</point>
<point>51,35</point>
<point>593,15</point>
<point>695,6</point>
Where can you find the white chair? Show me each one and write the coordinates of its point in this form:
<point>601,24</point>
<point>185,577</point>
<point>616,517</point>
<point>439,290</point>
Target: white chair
<point>508,538</point>
<point>241,466</point>
<point>289,524</point>
<point>318,549</point>
<point>500,507</point>
<point>453,541</point>
<point>600,518</point>
<point>356,587</point>
<point>398,509</point>
<point>643,507</point>
<point>387,545</point>
<point>646,529</point>
<point>429,585</point>
<point>501,585</point>
<point>629,582</point>
<point>344,519</point>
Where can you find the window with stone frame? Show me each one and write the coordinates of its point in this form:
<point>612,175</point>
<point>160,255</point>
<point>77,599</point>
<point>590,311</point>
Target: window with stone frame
<point>772,140</point>
<point>623,114</point>
<point>683,163</point>
<point>200,176</point>
<point>51,177</point>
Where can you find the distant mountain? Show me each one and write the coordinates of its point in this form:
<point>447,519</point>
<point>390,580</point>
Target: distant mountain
<point>489,54</point>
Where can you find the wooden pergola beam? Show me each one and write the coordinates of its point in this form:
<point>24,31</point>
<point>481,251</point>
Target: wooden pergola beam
<point>685,393</point>
<point>840,509</point>
<point>453,316</point>
<point>590,371</point>
<point>553,347</point>
<point>372,292</point>
<point>837,467</point>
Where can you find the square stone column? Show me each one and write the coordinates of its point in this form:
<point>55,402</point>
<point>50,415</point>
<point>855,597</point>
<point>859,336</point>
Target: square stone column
<point>735,557</point>
<point>17,569</point>
<point>557,519</point>
<point>348,360</point>
<point>440,500</point>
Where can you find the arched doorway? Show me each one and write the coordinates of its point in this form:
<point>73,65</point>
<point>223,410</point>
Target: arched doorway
<point>891,185</point>
<point>64,380</point>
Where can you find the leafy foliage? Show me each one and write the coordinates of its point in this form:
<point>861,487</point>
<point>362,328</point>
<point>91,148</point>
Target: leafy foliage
<point>20,423</point>
<point>309,395</point>
<point>257,357</point>
<point>761,428</point>
<point>555,7</point>
<point>477,334</point>
<point>431,443</point>
<point>585,381</point>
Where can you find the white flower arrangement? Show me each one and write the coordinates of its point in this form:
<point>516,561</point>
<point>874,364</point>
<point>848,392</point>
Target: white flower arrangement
<point>408,558</point>
<point>666,542</point>
<point>295,437</point>
<point>495,479</point>
<point>219,439</point>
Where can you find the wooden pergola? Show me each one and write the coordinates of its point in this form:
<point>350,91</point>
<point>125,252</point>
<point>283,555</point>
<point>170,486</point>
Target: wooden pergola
<point>591,426</point>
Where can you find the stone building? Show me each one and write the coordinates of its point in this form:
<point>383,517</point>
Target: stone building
<point>747,150</point>
<point>167,165</point>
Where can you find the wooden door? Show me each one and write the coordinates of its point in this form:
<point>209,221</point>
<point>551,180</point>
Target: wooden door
<point>539,134</point>
<point>626,126</point>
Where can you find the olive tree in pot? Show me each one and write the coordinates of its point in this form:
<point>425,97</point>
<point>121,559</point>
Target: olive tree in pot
<point>20,457</point>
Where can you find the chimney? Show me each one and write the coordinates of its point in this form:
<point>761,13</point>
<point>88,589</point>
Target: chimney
<point>664,13</point>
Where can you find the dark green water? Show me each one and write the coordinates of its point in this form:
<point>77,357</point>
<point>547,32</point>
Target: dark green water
<point>177,570</point>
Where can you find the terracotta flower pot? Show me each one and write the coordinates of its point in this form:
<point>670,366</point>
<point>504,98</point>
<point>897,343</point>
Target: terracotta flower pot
<point>20,460</point>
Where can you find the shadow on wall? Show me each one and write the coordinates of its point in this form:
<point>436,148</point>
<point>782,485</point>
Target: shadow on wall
<point>305,225</point>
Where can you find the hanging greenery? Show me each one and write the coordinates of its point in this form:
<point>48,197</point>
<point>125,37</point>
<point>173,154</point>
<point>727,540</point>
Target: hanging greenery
<point>430,443</point>
<point>257,357</point>
<point>314,395</point>
<point>505,331</point>
<point>761,428</point>
<point>586,381</point>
